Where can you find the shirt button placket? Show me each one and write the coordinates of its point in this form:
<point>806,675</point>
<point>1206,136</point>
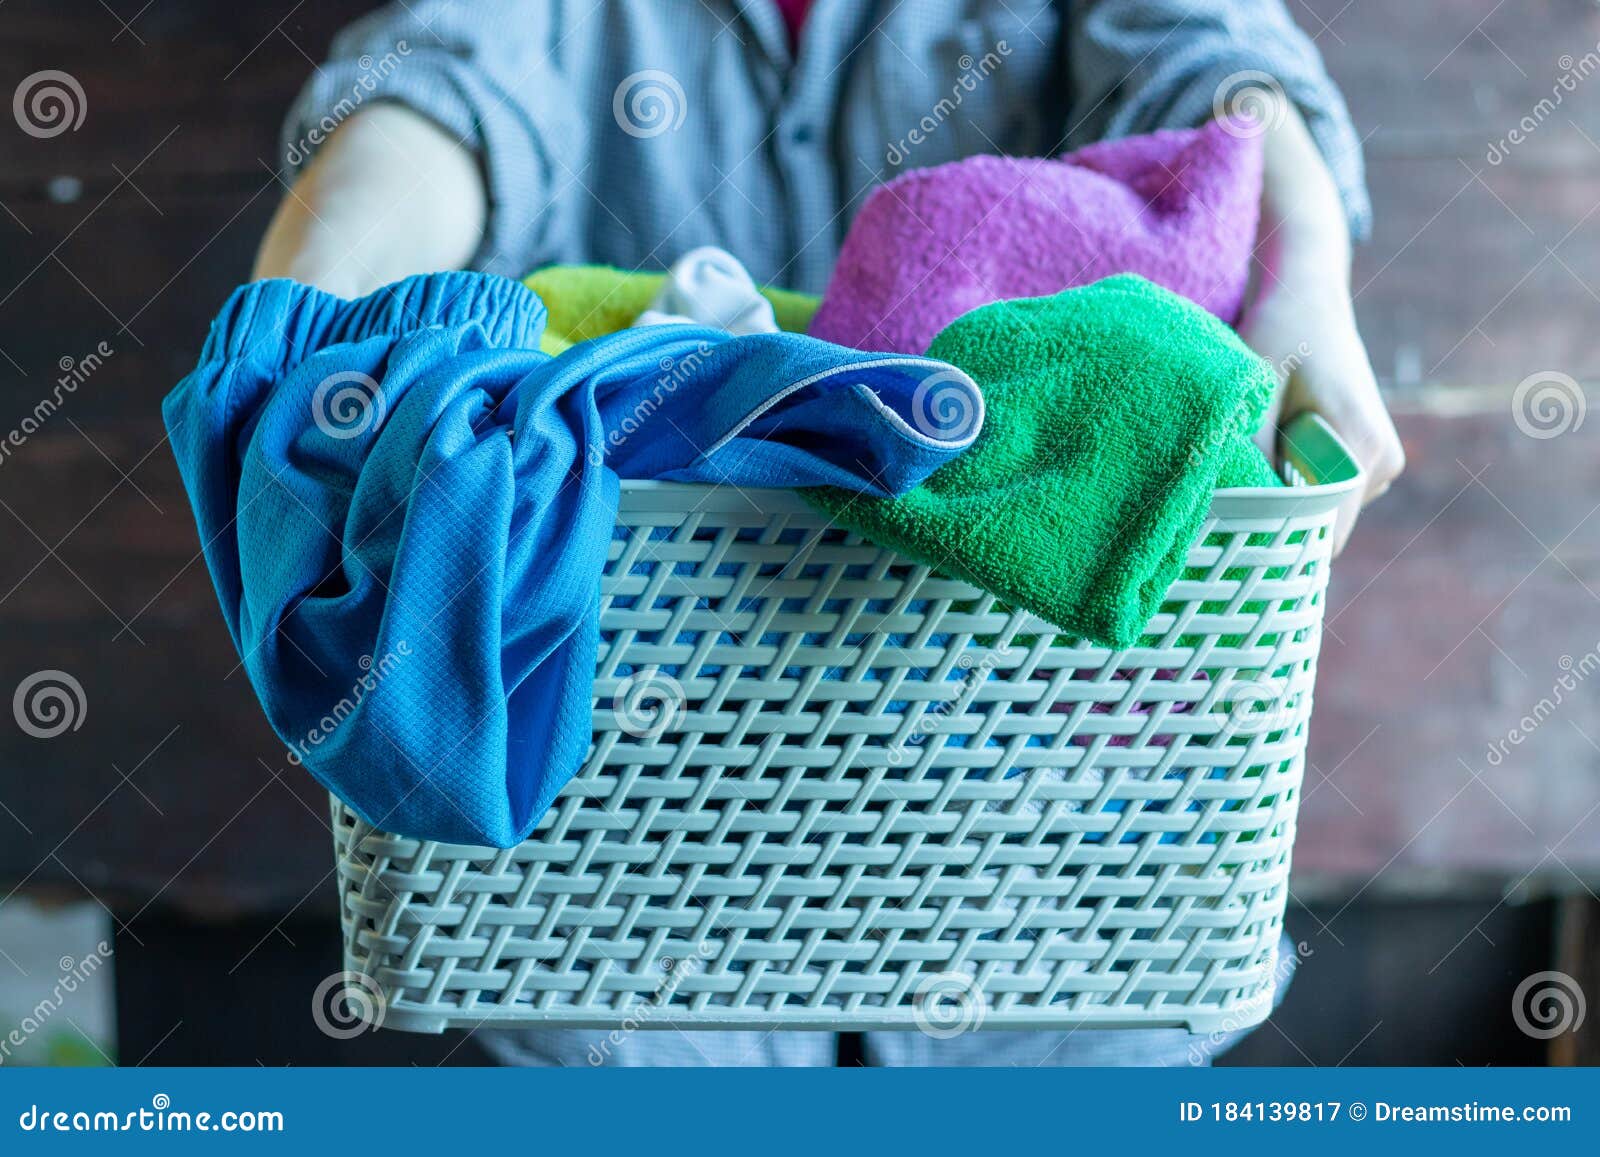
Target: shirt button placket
<point>808,187</point>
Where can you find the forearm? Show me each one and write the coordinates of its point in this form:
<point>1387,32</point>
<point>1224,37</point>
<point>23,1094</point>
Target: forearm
<point>388,195</point>
<point>1302,317</point>
<point>1305,236</point>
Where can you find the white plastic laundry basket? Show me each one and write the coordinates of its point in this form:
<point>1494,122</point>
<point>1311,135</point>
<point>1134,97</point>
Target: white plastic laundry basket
<point>832,790</point>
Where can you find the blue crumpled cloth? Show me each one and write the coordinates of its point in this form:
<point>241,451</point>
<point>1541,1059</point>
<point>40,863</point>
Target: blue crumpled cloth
<point>406,509</point>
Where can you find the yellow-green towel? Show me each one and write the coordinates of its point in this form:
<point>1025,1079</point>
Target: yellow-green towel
<point>588,301</point>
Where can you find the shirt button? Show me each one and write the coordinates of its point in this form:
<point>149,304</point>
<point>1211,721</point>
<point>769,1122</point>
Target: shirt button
<point>802,134</point>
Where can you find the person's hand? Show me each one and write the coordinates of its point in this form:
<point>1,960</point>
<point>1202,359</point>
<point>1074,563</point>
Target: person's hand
<point>1308,333</point>
<point>1302,320</point>
<point>389,194</point>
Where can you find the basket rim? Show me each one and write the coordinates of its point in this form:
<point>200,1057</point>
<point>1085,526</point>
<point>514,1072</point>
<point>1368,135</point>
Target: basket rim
<point>1312,447</point>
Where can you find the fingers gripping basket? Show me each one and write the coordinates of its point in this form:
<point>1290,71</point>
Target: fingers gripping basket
<point>831,790</point>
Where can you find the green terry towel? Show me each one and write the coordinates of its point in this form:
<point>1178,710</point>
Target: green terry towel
<point>588,301</point>
<point>1112,412</point>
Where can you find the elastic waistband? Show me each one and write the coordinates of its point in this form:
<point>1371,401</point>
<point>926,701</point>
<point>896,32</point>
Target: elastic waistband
<point>276,324</point>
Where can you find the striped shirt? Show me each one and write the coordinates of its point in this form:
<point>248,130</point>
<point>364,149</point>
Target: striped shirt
<point>630,131</point>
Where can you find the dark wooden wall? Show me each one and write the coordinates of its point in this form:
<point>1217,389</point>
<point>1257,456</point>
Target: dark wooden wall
<point>1466,595</point>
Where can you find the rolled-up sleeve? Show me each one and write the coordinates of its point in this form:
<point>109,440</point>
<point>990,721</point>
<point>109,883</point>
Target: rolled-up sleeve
<point>482,72</point>
<point>1141,65</point>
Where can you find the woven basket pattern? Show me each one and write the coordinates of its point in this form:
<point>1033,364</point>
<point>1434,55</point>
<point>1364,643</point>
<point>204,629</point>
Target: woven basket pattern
<point>832,789</point>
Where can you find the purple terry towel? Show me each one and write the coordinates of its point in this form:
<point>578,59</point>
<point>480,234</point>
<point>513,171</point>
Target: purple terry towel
<point>1178,207</point>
